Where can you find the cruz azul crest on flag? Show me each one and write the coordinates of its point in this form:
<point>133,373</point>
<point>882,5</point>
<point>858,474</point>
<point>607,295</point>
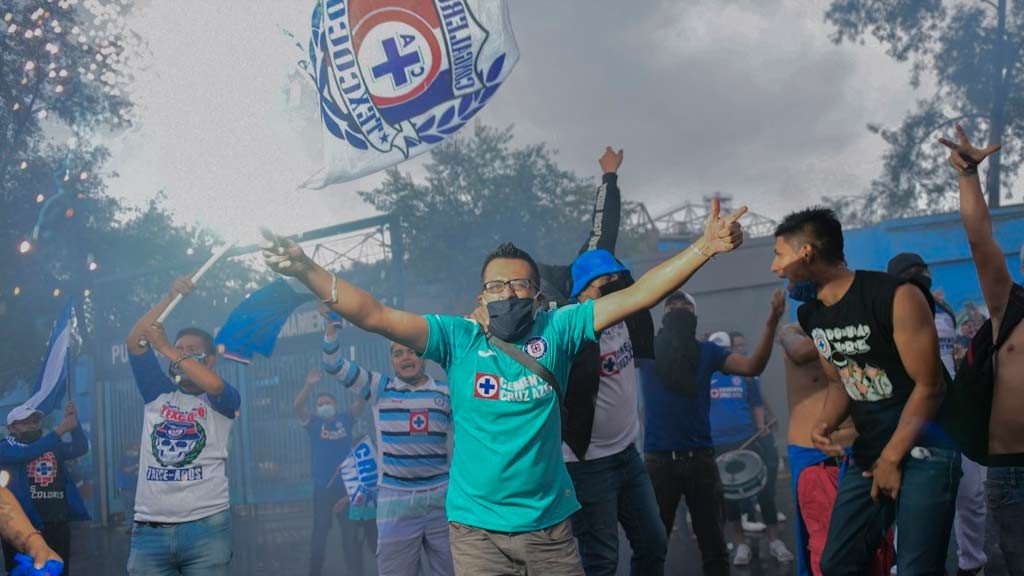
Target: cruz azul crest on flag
<point>395,77</point>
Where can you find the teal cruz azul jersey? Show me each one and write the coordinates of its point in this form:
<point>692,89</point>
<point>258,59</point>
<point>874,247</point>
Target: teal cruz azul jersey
<point>507,471</point>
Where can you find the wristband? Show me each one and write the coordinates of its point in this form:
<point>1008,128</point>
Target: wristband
<point>701,252</point>
<point>181,358</point>
<point>334,291</point>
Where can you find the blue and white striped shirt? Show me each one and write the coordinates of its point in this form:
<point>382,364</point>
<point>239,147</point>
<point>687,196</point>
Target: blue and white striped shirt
<point>413,422</point>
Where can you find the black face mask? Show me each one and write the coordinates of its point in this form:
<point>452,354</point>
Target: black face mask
<point>511,319</point>
<point>677,353</point>
<point>29,437</point>
<point>681,322</point>
<point>615,285</point>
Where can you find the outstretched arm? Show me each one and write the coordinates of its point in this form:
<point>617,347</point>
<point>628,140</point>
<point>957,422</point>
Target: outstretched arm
<point>17,530</point>
<point>721,234</point>
<point>754,364</point>
<point>988,255</point>
<point>357,306</point>
<point>604,229</point>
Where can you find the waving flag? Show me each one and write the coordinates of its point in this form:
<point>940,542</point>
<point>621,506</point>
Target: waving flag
<point>254,325</point>
<point>48,393</point>
<point>359,473</point>
<point>395,77</point>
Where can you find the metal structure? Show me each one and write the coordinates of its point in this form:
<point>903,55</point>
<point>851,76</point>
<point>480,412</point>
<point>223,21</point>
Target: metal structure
<point>686,221</point>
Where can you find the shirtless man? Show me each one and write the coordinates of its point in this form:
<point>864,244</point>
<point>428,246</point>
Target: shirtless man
<point>815,474</point>
<point>1004,399</point>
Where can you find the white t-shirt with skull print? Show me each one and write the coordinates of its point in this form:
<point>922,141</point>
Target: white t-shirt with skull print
<point>184,448</point>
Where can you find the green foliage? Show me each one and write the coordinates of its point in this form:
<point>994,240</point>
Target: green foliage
<point>972,50</point>
<point>480,191</point>
<point>60,88</point>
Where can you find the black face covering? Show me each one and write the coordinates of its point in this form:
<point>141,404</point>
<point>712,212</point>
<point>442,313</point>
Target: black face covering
<point>29,437</point>
<point>677,352</point>
<point>619,283</point>
<point>511,319</point>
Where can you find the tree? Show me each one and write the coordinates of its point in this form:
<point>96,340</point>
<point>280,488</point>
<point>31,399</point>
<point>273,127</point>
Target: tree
<point>972,49</point>
<point>64,69</point>
<point>480,191</point>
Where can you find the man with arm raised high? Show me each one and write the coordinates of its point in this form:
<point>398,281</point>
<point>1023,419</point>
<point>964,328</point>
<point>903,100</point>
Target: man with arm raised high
<point>990,383</point>
<point>509,497</point>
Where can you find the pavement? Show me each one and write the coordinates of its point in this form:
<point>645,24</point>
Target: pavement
<point>274,540</point>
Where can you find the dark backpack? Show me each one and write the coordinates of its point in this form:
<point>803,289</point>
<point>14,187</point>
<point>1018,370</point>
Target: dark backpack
<point>975,382</point>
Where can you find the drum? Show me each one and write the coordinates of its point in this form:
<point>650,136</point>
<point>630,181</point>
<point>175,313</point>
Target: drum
<point>743,474</point>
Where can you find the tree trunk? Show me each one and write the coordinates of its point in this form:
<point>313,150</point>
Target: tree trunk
<point>1001,81</point>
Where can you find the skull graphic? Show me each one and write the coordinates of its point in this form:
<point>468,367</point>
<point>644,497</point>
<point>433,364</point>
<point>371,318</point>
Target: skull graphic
<point>177,444</point>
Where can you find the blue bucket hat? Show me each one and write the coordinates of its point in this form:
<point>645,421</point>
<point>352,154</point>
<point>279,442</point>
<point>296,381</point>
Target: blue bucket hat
<point>592,264</point>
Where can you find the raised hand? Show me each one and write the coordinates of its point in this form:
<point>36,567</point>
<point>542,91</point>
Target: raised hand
<point>964,156</point>
<point>723,234</point>
<point>610,160</point>
<point>182,286</point>
<point>284,256</point>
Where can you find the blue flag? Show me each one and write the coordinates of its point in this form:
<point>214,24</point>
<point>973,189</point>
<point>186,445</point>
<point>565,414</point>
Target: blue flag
<point>254,324</point>
<point>48,393</point>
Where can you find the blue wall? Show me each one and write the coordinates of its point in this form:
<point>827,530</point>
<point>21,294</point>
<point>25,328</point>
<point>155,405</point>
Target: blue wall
<point>941,241</point>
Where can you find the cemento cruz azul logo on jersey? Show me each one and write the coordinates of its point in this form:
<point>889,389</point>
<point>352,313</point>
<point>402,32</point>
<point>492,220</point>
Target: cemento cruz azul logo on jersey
<point>487,386</point>
<point>419,421</point>
<point>536,347</point>
<point>43,470</point>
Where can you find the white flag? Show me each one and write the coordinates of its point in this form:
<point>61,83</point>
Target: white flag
<point>396,77</point>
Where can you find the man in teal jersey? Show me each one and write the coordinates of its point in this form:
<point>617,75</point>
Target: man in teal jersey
<point>510,496</point>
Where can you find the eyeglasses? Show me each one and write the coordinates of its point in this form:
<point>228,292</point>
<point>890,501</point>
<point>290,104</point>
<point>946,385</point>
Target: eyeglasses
<point>518,285</point>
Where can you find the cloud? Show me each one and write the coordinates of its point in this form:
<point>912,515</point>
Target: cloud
<point>745,97</point>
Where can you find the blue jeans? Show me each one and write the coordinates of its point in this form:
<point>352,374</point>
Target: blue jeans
<point>613,490</point>
<point>926,504</point>
<point>1005,489</point>
<point>198,548</point>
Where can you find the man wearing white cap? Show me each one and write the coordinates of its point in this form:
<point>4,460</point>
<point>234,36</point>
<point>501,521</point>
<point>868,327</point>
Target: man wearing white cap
<point>39,478</point>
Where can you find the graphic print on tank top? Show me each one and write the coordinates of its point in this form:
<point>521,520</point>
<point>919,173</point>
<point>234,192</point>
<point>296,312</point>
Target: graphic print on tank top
<point>864,382</point>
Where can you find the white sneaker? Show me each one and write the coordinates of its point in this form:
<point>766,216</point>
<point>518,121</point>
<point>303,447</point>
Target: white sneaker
<point>742,557</point>
<point>780,552</point>
<point>749,526</point>
<point>780,517</point>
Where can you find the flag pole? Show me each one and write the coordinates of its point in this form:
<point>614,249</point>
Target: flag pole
<point>195,278</point>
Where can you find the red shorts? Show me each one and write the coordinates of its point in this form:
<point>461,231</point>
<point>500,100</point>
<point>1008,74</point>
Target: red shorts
<point>816,492</point>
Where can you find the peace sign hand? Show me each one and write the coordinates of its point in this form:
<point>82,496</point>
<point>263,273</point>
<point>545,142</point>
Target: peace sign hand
<point>723,234</point>
<point>965,157</point>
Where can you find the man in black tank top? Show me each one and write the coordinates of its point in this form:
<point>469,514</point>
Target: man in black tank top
<point>877,341</point>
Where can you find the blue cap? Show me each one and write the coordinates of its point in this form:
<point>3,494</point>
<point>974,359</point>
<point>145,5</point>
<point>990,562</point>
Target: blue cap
<point>592,264</point>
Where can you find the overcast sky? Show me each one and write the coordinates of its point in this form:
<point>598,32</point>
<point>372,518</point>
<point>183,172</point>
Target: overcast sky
<point>747,97</point>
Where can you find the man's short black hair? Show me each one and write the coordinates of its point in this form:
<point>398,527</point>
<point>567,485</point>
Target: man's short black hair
<point>327,395</point>
<point>203,335</point>
<point>818,227</point>
<point>512,252</point>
